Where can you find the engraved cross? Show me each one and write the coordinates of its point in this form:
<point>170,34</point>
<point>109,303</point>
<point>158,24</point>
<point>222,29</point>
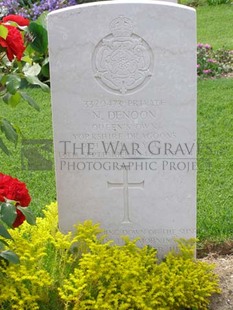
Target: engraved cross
<point>126,185</point>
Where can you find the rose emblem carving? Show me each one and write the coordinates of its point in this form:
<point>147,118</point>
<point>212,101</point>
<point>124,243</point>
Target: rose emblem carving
<point>122,61</point>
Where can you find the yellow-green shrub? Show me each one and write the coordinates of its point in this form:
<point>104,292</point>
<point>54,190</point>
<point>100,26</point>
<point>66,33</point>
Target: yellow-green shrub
<point>42,250</point>
<point>126,277</point>
<point>84,272</point>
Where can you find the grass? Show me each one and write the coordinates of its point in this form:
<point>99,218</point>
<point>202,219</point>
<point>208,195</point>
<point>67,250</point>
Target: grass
<point>215,160</point>
<point>214,25</point>
<point>215,133</point>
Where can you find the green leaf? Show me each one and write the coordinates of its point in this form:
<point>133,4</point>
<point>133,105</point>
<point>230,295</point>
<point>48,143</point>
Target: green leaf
<point>12,100</point>
<point>8,213</point>
<point>45,70</point>
<point>30,101</point>
<point>3,79</point>
<point>27,59</point>
<point>10,256</point>
<point>3,243</point>
<point>6,98</point>
<point>33,70</point>
<point>9,130</point>
<point>4,232</point>
<point>13,83</point>
<point>42,20</point>
<point>4,147</point>
<point>3,32</point>
<point>40,43</point>
<point>30,218</point>
<point>35,81</point>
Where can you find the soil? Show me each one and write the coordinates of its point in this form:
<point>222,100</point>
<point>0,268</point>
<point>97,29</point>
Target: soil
<point>224,268</point>
<point>220,254</point>
<point>228,75</point>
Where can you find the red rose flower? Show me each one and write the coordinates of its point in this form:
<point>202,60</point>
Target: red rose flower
<point>13,189</point>
<point>20,20</point>
<point>13,43</point>
<point>5,180</point>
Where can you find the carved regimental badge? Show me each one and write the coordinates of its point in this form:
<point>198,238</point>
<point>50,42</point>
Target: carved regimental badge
<point>122,61</point>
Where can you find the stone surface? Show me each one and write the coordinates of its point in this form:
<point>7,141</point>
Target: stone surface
<point>123,77</point>
<point>174,1</point>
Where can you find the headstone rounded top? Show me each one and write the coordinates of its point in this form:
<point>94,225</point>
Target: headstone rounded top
<point>121,2</point>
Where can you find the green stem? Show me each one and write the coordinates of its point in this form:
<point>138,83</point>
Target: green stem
<point>3,55</point>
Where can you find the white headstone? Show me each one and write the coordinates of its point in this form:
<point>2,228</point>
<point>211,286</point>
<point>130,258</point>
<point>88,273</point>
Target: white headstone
<point>123,78</point>
<point>174,1</point>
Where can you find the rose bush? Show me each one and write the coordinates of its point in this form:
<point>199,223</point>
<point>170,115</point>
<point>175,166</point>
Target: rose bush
<point>14,202</point>
<point>18,68</point>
